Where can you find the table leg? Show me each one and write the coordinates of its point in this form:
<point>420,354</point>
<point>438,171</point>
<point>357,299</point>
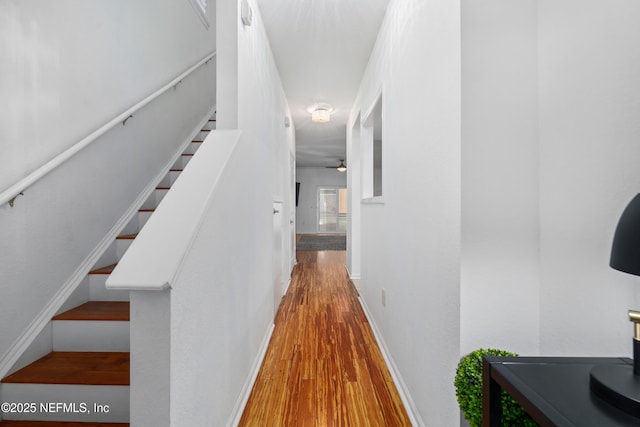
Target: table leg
<point>491,402</point>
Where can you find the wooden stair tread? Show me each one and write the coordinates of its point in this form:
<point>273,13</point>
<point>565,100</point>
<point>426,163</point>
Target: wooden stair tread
<point>146,210</point>
<point>104,270</point>
<point>197,140</point>
<point>127,236</point>
<point>97,310</point>
<point>176,170</point>
<point>65,367</point>
<point>58,424</point>
<point>187,155</point>
<point>163,188</point>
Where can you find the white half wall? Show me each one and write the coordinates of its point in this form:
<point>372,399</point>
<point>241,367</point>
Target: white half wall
<point>589,151</point>
<point>410,243</point>
<point>310,178</point>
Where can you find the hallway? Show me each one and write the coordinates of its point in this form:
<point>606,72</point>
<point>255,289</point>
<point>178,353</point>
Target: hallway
<point>323,366</point>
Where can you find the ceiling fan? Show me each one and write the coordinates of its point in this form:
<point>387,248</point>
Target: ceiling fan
<point>341,167</point>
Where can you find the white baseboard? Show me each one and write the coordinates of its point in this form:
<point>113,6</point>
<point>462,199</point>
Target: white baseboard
<point>403,390</point>
<point>286,288</point>
<point>20,346</point>
<point>243,398</point>
<point>351,275</point>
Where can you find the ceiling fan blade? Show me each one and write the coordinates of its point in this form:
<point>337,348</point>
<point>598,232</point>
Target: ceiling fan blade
<point>341,167</point>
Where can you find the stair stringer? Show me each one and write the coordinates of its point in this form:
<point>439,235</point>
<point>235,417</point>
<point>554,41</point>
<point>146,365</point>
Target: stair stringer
<point>13,359</point>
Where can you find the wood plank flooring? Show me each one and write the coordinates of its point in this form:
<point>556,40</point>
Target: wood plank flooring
<point>323,366</point>
<point>58,424</point>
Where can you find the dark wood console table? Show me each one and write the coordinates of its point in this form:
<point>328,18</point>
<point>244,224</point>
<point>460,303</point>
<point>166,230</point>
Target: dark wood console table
<point>553,390</point>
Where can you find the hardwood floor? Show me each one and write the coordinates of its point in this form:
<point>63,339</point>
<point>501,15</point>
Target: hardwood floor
<point>57,424</point>
<point>323,366</point>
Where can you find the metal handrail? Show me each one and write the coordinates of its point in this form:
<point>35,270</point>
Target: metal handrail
<point>9,195</point>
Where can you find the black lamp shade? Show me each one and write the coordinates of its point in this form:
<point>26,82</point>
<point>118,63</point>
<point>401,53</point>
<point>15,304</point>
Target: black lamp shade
<point>625,251</point>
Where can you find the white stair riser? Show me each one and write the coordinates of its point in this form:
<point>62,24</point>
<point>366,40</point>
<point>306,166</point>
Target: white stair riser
<point>99,292</point>
<point>121,247</point>
<point>182,162</point>
<point>192,148</point>
<point>132,227</point>
<point>143,217</point>
<point>160,193</point>
<point>108,257</point>
<point>203,134</point>
<point>90,335</point>
<point>154,200</point>
<point>169,179</point>
<point>84,396</point>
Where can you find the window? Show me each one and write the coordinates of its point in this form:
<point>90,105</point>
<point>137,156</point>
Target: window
<point>332,210</point>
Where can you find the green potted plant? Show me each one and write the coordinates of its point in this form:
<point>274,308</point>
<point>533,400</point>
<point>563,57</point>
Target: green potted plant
<point>468,383</point>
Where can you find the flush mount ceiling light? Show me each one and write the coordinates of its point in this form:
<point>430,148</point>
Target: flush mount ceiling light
<point>320,115</point>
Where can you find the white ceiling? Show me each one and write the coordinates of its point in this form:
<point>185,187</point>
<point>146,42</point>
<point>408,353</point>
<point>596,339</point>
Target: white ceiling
<point>321,48</point>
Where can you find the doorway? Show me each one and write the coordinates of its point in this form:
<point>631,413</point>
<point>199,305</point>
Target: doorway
<point>332,210</point>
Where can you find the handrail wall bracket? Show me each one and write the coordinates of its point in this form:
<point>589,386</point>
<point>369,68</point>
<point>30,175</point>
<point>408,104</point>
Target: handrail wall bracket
<point>13,200</point>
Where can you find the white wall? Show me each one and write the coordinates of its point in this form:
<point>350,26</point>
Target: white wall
<point>499,268</point>
<point>310,178</point>
<point>550,149</point>
<point>589,150</point>
<point>67,69</point>
<point>411,243</point>
<point>262,108</point>
<point>550,130</point>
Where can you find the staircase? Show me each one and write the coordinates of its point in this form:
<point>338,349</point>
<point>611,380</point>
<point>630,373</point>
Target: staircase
<point>84,380</point>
